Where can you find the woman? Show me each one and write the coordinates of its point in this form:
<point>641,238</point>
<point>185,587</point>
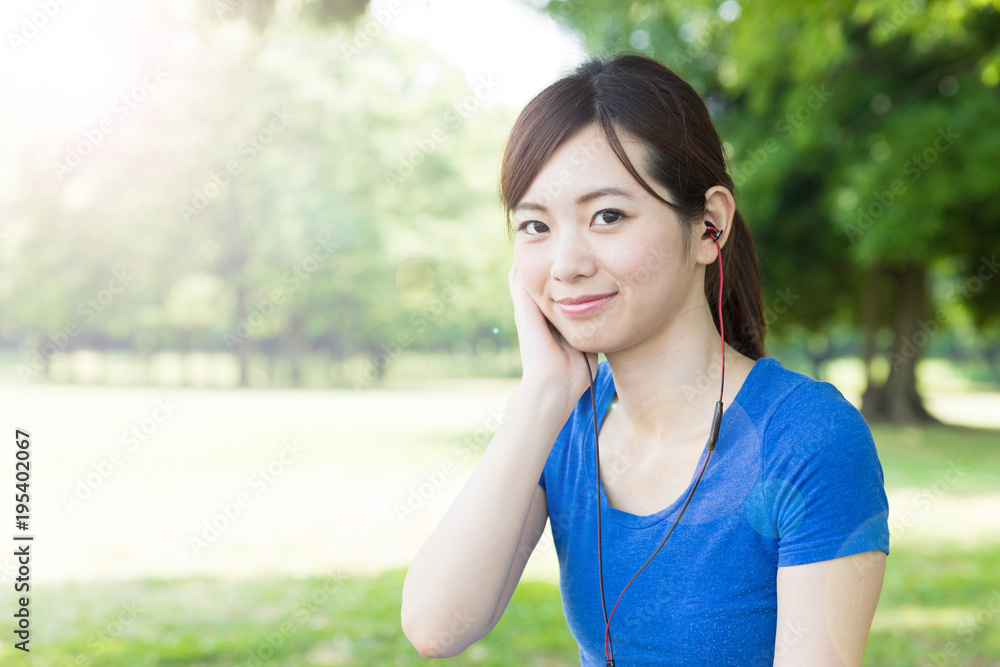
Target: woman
<point>615,180</point>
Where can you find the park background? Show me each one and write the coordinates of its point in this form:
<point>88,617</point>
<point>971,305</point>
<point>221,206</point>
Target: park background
<point>254,309</point>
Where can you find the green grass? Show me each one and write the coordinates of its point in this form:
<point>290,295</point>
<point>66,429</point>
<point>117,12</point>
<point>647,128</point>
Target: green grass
<point>288,622</point>
<point>934,597</point>
<point>939,605</point>
<point>930,598</point>
<point>933,593</point>
<point>920,457</point>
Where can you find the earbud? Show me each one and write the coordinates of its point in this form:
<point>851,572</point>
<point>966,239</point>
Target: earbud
<point>712,233</point>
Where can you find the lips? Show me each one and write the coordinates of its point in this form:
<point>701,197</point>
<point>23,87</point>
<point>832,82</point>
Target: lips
<point>583,299</point>
<point>585,305</point>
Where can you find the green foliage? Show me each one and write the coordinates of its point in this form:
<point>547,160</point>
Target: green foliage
<point>823,107</point>
<point>827,106</point>
<point>258,147</point>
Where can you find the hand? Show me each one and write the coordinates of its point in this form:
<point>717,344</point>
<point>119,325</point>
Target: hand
<point>547,360</point>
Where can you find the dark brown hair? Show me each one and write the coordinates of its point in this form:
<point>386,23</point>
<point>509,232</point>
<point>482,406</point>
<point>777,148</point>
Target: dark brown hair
<point>639,96</point>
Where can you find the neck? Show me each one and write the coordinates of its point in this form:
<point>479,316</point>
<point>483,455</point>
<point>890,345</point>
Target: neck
<point>668,385</point>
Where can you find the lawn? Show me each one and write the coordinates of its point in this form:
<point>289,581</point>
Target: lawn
<point>931,597</point>
<point>311,572</point>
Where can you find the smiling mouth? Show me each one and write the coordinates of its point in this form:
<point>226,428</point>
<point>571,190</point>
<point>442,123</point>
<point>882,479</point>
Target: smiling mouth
<point>586,307</point>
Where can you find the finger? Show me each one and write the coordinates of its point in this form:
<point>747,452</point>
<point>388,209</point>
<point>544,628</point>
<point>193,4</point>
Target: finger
<point>556,333</point>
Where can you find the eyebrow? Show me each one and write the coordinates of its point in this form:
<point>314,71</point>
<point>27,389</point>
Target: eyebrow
<point>582,199</point>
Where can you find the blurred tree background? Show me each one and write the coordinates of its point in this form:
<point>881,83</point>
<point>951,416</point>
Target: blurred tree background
<point>295,200</point>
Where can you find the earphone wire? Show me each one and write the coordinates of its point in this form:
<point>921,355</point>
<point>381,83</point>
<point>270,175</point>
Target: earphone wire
<point>710,445</point>
<point>600,569</point>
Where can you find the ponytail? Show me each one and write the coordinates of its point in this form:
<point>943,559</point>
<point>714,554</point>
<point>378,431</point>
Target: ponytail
<point>742,304</point>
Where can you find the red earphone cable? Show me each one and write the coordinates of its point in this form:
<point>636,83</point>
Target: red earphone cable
<point>608,649</point>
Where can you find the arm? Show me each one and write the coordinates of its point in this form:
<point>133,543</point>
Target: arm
<point>462,578</point>
<point>825,610</point>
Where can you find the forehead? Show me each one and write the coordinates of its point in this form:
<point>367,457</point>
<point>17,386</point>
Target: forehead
<point>581,163</point>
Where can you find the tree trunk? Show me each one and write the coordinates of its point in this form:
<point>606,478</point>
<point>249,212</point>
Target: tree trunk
<point>187,373</point>
<point>992,354</point>
<point>377,365</point>
<point>242,351</point>
<point>818,356</point>
<point>295,346</point>
<point>897,400</point>
<point>870,311</point>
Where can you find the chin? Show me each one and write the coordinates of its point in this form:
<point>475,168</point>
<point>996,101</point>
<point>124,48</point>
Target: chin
<point>583,341</point>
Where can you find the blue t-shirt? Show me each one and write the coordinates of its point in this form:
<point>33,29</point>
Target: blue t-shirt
<point>794,478</point>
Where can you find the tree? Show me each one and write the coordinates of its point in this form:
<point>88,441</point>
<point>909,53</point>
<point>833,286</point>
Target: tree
<point>275,195</point>
<point>856,133</point>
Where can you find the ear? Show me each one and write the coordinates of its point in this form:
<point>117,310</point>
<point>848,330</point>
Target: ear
<point>720,208</point>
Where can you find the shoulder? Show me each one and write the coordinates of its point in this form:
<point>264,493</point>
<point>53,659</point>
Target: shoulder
<point>811,432</point>
<point>579,423</point>
<point>822,485</point>
<point>812,411</point>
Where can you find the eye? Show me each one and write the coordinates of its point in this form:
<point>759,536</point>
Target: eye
<point>609,216</point>
<point>524,226</point>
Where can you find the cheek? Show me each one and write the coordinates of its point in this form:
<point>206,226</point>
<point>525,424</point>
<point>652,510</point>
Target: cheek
<point>533,273</point>
<point>642,266</point>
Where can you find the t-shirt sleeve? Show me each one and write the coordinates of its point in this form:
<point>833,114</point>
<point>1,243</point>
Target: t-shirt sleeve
<point>557,446</point>
<point>557,453</point>
<point>822,488</point>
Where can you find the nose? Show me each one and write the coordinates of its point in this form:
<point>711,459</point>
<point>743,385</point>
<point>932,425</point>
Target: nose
<point>574,257</point>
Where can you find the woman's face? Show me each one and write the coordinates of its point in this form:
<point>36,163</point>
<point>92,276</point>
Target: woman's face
<point>586,227</point>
